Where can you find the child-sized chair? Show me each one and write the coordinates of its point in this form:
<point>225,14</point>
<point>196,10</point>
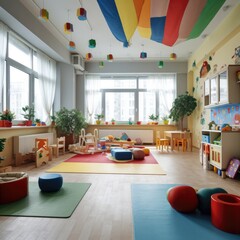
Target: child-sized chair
<point>42,150</point>
<point>183,140</point>
<point>59,146</point>
<point>161,142</point>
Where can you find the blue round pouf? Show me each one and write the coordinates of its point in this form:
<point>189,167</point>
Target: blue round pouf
<point>50,182</point>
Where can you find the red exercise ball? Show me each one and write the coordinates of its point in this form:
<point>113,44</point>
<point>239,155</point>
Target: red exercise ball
<point>183,198</point>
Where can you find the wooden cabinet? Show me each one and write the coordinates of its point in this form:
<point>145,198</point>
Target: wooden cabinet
<point>221,147</point>
<point>222,88</point>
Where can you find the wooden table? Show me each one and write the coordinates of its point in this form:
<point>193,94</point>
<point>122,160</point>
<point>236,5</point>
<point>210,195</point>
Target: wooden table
<point>175,134</point>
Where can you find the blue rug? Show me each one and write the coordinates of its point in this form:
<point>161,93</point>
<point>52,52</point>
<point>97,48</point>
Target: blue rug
<point>154,218</point>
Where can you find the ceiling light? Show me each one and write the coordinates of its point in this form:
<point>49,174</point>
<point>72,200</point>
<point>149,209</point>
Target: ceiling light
<point>160,64</point>
<point>92,43</point>
<point>71,46</point>
<point>44,15</point>
<point>143,55</point>
<point>68,27</point>
<point>110,57</point>
<point>173,56</point>
<point>82,14</point>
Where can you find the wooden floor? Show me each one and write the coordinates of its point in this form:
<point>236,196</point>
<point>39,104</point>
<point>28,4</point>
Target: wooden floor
<point>105,211</point>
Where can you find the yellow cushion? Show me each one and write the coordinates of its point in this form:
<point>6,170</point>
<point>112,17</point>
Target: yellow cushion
<point>146,151</point>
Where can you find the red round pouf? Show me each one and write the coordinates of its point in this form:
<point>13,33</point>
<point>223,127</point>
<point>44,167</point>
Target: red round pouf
<point>183,198</point>
<point>138,154</point>
<point>225,212</point>
<point>13,186</point>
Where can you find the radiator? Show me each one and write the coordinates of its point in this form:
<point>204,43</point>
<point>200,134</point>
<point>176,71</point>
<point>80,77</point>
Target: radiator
<point>25,144</point>
<point>145,135</point>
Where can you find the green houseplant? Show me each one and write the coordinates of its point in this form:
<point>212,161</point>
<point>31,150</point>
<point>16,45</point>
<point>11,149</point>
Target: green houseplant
<point>70,122</point>
<point>2,143</point>
<point>29,114</point>
<point>182,106</point>
<point>154,118</point>
<point>99,118</point>
<point>165,119</point>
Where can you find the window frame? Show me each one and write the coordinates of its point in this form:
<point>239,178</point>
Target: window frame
<point>30,71</point>
<point>136,92</point>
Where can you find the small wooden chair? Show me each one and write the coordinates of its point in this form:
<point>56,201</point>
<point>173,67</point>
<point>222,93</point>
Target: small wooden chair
<point>161,142</point>
<point>183,141</point>
<point>60,145</point>
<point>42,151</point>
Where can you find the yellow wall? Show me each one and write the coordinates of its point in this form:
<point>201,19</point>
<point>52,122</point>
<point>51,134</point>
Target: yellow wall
<point>220,45</point>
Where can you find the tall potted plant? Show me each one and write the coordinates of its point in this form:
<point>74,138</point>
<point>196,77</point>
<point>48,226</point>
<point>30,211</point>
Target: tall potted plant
<point>70,122</point>
<point>182,106</point>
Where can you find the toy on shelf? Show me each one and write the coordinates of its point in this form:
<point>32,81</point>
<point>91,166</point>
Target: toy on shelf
<point>226,127</point>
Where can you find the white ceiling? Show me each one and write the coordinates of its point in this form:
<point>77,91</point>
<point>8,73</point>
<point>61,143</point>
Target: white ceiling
<point>61,11</point>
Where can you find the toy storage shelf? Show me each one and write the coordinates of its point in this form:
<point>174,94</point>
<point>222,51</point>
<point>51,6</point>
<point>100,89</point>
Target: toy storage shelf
<point>221,150</point>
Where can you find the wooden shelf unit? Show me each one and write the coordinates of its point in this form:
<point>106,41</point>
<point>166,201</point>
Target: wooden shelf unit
<point>222,88</point>
<point>228,148</point>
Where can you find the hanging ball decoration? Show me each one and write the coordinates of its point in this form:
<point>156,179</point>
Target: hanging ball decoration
<point>210,58</point>
<point>110,57</point>
<point>126,44</point>
<point>44,15</point>
<point>71,46</point>
<point>88,56</point>
<point>68,28</point>
<point>173,56</point>
<point>143,55</point>
<point>82,14</point>
<point>92,43</point>
<point>101,64</point>
<point>160,64</point>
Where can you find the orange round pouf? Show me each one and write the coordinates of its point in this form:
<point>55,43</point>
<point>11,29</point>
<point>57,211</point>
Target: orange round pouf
<point>183,198</point>
<point>146,151</point>
<point>225,212</point>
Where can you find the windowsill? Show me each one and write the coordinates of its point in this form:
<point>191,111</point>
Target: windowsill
<point>23,127</point>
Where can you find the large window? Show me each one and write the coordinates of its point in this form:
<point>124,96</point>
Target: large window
<point>30,79</point>
<point>123,97</point>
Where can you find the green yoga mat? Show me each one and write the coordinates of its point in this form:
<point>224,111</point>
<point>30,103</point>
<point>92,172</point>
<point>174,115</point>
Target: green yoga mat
<point>59,204</point>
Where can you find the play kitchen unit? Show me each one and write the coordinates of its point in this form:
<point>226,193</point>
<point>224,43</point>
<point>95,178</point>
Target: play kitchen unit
<point>219,145</point>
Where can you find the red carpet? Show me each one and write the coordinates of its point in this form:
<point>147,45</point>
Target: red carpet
<point>102,158</point>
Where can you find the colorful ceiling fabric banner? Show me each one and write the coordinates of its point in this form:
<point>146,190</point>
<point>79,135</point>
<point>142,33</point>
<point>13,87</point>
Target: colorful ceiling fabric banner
<point>165,21</point>
<point>121,17</point>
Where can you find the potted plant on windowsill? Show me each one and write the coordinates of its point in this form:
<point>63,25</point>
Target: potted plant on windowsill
<point>165,120</point>
<point>6,118</point>
<point>154,118</point>
<point>38,122</point>
<point>53,118</point>
<point>29,114</point>
<point>99,118</point>
<point>113,121</point>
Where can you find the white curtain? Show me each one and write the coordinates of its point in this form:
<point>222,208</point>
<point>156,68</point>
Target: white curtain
<point>47,78</point>
<point>3,52</point>
<point>93,96</point>
<point>167,92</point>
